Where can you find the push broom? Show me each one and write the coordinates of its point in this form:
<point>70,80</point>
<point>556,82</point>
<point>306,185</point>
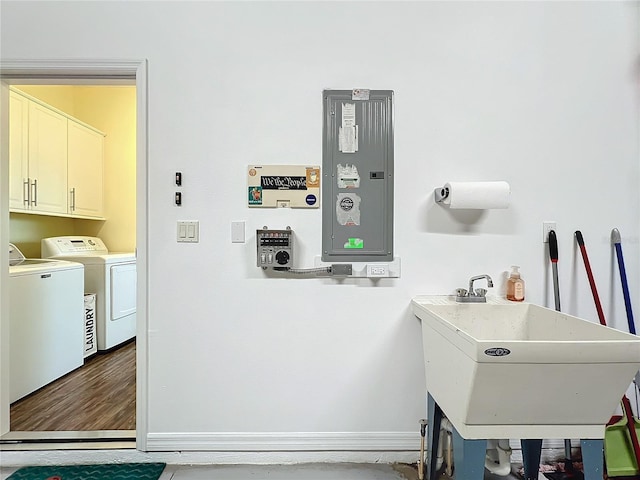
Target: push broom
<point>617,243</point>
<point>626,405</point>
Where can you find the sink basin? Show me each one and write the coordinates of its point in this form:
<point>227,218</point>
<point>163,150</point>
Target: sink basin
<point>518,370</point>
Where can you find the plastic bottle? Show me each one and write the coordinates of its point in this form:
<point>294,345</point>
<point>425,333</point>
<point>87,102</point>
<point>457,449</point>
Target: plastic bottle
<point>515,286</point>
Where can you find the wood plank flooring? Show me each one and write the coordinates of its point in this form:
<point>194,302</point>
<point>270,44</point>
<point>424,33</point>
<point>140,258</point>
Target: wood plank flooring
<point>100,395</point>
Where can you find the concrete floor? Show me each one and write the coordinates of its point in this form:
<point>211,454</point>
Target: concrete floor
<point>277,472</point>
<point>310,471</point>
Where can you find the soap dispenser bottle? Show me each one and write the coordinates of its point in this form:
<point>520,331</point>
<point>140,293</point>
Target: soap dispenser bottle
<point>515,286</point>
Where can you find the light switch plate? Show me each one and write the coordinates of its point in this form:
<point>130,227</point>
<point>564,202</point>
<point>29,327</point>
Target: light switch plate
<point>237,232</point>
<point>188,231</point>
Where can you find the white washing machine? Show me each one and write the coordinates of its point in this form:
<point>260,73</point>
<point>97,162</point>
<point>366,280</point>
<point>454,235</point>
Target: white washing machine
<point>46,321</point>
<point>111,276</point>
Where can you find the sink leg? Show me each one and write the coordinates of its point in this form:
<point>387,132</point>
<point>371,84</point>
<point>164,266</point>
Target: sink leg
<point>592,458</point>
<point>468,457</point>
<point>531,450</point>
<point>434,416</point>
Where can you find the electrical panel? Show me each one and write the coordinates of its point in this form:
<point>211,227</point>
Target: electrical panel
<point>357,168</point>
<point>275,248</point>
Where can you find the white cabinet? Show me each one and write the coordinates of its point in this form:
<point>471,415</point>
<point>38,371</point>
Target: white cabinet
<point>55,162</point>
<point>85,168</point>
<point>19,182</point>
<point>47,159</point>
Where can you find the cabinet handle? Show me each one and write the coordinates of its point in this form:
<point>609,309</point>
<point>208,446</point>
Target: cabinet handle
<point>73,199</point>
<point>26,191</point>
<point>35,192</point>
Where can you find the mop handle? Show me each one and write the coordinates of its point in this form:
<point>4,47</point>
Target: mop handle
<point>592,282</point>
<point>553,255</point>
<point>615,236</point>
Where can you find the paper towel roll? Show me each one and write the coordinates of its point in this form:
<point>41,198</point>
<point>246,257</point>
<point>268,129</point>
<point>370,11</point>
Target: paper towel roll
<point>477,195</point>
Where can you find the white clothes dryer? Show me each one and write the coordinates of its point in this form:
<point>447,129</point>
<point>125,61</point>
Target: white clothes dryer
<point>111,276</point>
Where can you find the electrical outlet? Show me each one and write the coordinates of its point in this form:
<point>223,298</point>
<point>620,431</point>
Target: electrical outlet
<point>546,228</point>
<point>378,270</point>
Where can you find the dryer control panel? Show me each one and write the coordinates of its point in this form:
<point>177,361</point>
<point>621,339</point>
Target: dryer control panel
<point>72,245</point>
<point>274,248</point>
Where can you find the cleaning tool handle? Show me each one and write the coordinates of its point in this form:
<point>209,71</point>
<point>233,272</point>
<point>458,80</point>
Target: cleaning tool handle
<point>631,425</point>
<point>625,289</point>
<point>615,238</point>
<point>592,282</point>
<point>553,246</point>
<point>556,287</point>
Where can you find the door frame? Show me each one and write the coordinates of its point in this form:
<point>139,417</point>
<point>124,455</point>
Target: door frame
<point>80,72</point>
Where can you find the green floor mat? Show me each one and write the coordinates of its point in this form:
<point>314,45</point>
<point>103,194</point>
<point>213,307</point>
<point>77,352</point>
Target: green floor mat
<point>115,471</point>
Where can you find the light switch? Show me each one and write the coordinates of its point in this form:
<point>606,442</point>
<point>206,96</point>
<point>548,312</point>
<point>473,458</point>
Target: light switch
<point>237,232</point>
<point>189,231</point>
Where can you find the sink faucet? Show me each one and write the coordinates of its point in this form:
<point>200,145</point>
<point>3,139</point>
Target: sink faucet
<point>479,277</point>
<point>471,295</point>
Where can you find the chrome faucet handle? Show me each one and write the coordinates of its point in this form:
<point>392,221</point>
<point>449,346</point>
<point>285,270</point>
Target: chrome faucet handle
<point>461,292</point>
<point>481,292</point>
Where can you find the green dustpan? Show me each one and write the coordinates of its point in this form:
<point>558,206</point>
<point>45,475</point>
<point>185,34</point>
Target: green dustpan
<point>618,449</point>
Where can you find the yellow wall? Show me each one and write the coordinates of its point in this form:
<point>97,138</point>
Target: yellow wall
<point>58,96</point>
<point>111,109</point>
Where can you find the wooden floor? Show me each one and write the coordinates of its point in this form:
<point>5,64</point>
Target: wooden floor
<point>100,395</point>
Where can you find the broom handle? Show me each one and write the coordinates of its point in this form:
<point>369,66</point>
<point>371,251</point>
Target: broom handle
<point>592,282</point>
<point>615,235</point>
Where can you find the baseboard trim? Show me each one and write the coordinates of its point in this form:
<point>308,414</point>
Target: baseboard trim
<point>218,449</point>
<point>289,441</point>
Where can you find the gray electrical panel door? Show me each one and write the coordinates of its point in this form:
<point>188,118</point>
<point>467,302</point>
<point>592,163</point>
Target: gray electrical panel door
<point>357,187</point>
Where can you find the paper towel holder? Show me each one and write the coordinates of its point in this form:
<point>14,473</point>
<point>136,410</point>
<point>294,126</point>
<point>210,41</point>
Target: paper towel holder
<point>484,195</point>
<point>440,194</point>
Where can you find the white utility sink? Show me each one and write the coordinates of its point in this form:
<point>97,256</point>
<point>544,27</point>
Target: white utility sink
<point>516,370</point>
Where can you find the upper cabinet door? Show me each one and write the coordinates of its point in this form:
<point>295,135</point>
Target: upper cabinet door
<point>47,159</point>
<point>18,152</point>
<point>85,164</point>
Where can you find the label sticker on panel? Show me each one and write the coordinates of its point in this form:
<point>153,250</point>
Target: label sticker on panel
<point>348,139</point>
<point>354,243</point>
<point>360,94</point>
<point>348,209</point>
<point>313,177</point>
<point>348,176</point>
<point>348,130</point>
<point>255,195</point>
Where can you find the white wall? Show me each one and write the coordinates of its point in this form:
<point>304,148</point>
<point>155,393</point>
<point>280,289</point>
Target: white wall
<point>543,95</point>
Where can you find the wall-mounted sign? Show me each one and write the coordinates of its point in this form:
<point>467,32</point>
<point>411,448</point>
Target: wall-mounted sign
<point>273,186</point>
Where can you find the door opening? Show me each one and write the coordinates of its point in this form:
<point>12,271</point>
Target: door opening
<point>87,82</point>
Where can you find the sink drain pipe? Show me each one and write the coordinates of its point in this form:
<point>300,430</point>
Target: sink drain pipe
<point>498,459</point>
<point>423,432</point>
<point>446,430</point>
